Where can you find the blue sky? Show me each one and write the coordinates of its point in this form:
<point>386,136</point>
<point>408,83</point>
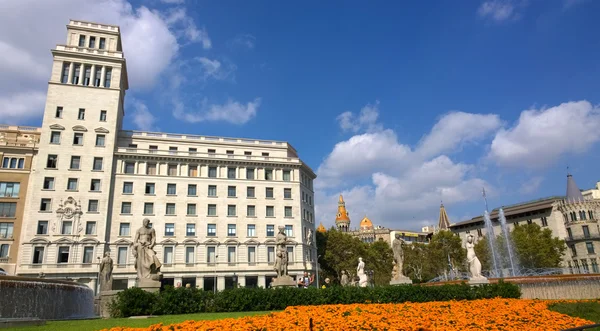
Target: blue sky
<point>396,105</point>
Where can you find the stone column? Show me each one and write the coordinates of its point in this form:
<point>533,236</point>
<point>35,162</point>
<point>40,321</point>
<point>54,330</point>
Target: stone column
<point>103,74</point>
<point>81,74</point>
<point>262,281</point>
<point>241,281</point>
<point>220,283</point>
<point>200,282</point>
<point>71,68</point>
<point>92,74</point>
<point>131,282</point>
<point>93,283</point>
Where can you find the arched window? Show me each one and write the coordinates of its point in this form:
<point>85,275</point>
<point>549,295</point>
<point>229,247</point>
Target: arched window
<point>581,215</point>
<point>573,216</point>
<point>591,214</point>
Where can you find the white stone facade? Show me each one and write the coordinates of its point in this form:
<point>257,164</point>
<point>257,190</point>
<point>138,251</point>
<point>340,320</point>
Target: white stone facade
<point>183,183</point>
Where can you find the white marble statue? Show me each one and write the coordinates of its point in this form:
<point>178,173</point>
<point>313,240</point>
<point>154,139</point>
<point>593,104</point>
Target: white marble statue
<point>147,264</point>
<point>360,272</point>
<point>474,264</point>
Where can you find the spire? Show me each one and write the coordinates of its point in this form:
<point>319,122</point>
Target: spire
<point>573,192</point>
<point>444,221</point>
<point>342,220</point>
<point>321,228</point>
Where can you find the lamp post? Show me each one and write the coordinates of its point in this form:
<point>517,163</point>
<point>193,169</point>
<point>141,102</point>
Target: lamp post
<point>215,282</point>
<point>97,289</point>
<point>317,269</point>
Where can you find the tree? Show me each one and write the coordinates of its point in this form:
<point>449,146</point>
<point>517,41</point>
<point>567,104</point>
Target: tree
<point>536,247</point>
<point>446,250</point>
<point>341,252</point>
<point>416,265</point>
<point>380,259</point>
<point>482,251</point>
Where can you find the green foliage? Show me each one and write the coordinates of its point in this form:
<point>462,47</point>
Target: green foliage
<point>586,310</point>
<point>342,252</point>
<point>135,301</point>
<point>380,258</point>
<point>536,247</point>
<point>482,250</point>
<point>416,263</point>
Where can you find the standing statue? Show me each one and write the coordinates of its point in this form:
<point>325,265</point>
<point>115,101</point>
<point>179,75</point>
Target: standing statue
<point>147,264</point>
<point>360,272</point>
<point>309,237</point>
<point>106,269</point>
<point>344,281</point>
<point>474,264</point>
<point>398,276</point>
<point>281,261</point>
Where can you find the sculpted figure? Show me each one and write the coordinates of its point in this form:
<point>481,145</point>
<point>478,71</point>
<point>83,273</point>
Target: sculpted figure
<point>397,248</point>
<point>147,264</point>
<point>309,237</point>
<point>106,268</point>
<point>344,281</point>
<point>360,272</point>
<point>281,260</point>
<point>474,264</point>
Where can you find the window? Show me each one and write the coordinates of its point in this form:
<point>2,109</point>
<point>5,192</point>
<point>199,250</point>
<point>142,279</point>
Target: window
<point>529,221</point>
<point>38,255</point>
<point>250,192</point>
<point>125,207</point>
<point>97,163</point>
<point>231,191</point>
<point>211,254</point>
<point>90,227</point>
<point>129,167</point>
<point>81,40</point>
<point>212,172</point>
<point>212,190</point>
<point>81,114</point>
<point>9,189</point>
<point>55,137</point>
<point>13,163</point>
<point>148,208</point>
<point>192,170</point>
<point>248,153</point>
<point>170,209</point>
<point>172,170</point>
<point>42,227</point>
<point>287,193</point>
<point>78,139</point>
<point>124,229</point>
<point>67,227</point>
<point>289,230</point>
<point>594,266</point>
<point>107,76</point>
<point>4,250</point>
<point>271,254</point>
<point>591,215</point>
<point>590,247</point>
<point>100,140</point>
<point>582,215</point>
<point>58,113</point>
<point>270,211</point>
<point>191,209</point>
<point>251,254</point>
<point>190,229</point>
<point>169,229</point>
<point>64,78</point>
<point>93,206</point>
<point>570,233</point>
<point>544,221</point>
<point>288,211</point>
<point>87,75</point>
<point>48,183</point>
<point>45,205</point>
<point>75,162</point>
<point>95,185</point>
<point>88,254</point>
<point>122,256</point>
<point>72,184</point>
<point>97,78</point>
<point>76,72</point>
<point>191,190</point>
<point>193,151</point>
<point>51,162</point>
<point>231,173</point>
<point>251,230</point>
<point>290,254</point>
<point>249,173</point>
<point>212,152</point>
<point>586,231</point>
<point>479,232</point>
<point>6,230</point>
<point>268,174</point>
<point>231,210</point>
<point>127,187</point>
<point>168,255</point>
<point>102,115</point>
<point>171,189</point>
<point>150,168</point>
<point>231,254</point>
<point>149,188</point>
<point>573,250</point>
<point>189,254</point>
<point>251,211</point>
<point>270,230</point>
<point>211,230</point>
<point>102,43</point>
<point>269,193</point>
<point>287,175</point>
<point>231,230</point>
<point>173,150</point>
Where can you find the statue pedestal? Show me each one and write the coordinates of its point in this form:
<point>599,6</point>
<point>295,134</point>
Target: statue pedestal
<point>105,299</point>
<point>403,280</point>
<point>284,281</point>
<point>478,281</point>
<point>148,285</point>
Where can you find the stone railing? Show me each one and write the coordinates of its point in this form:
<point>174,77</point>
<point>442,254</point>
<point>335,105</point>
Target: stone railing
<point>207,155</point>
<point>128,133</point>
<point>86,50</point>
<point>4,259</point>
<point>582,237</point>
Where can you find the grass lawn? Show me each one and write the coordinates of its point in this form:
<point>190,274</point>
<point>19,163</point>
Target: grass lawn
<point>99,324</point>
<point>588,310</point>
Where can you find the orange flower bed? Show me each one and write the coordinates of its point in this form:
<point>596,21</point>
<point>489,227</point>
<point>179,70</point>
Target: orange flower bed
<point>485,314</point>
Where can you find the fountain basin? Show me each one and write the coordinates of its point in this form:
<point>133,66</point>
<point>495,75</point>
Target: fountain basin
<point>552,287</point>
<point>44,299</point>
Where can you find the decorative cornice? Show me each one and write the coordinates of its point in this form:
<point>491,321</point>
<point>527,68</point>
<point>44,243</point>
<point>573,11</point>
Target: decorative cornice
<point>79,128</point>
<point>57,127</point>
<point>101,130</point>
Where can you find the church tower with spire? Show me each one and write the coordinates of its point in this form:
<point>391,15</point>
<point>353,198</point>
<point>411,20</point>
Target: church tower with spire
<point>444,221</point>
<point>342,220</point>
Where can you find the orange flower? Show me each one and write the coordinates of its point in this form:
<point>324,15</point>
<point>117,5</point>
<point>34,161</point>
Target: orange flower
<point>485,314</point>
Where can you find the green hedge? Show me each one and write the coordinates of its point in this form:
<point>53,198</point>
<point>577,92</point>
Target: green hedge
<point>135,301</point>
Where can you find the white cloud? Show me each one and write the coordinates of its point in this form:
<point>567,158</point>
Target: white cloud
<point>231,111</point>
<point>142,117</point>
<point>185,26</point>
<point>21,105</point>
<point>532,185</point>
<point>497,10</point>
<point>173,2</point>
<point>541,137</point>
<point>216,70</point>
<point>366,120</point>
<point>243,40</point>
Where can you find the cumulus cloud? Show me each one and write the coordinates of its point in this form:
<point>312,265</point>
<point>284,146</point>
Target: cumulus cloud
<point>15,107</point>
<point>231,111</point>
<point>501,10</point>
<point>366,120</point>
<point>541,136</point>
<point>216,70</point>
<point>142,117</point>
<point>531,185</point>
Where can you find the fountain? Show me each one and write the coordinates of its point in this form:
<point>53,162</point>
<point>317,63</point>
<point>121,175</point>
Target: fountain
<point>514,267</point>
<point>489,227</point>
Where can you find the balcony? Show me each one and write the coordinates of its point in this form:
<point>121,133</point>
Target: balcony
<point>4,259</point>
<point>129,150</point>
<point>582,237</point>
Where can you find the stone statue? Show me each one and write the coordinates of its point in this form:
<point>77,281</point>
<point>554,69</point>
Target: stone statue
<point>360,272</point>
<point>147,264</point>
<point>281,261</point>
<point>344,281</point>
<point>106,269</point>
<point>309,237</point>
<point>474,264</point>
<point>398,276</point>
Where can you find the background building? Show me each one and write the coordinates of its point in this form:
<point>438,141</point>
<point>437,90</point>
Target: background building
<point>215,203</point>
<point>18,146</point>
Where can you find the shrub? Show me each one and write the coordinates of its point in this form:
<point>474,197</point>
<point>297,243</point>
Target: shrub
<point>135,301</point>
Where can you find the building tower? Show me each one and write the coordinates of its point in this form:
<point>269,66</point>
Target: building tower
<point>321,228</point>
<point>444,221</point>
<point>68,213</point>
<point>342,219</point>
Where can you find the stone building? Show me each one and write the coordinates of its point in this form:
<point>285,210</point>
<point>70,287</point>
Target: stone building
<point>215,202</point>
<point>18,147</point>
<point>570,217</point>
